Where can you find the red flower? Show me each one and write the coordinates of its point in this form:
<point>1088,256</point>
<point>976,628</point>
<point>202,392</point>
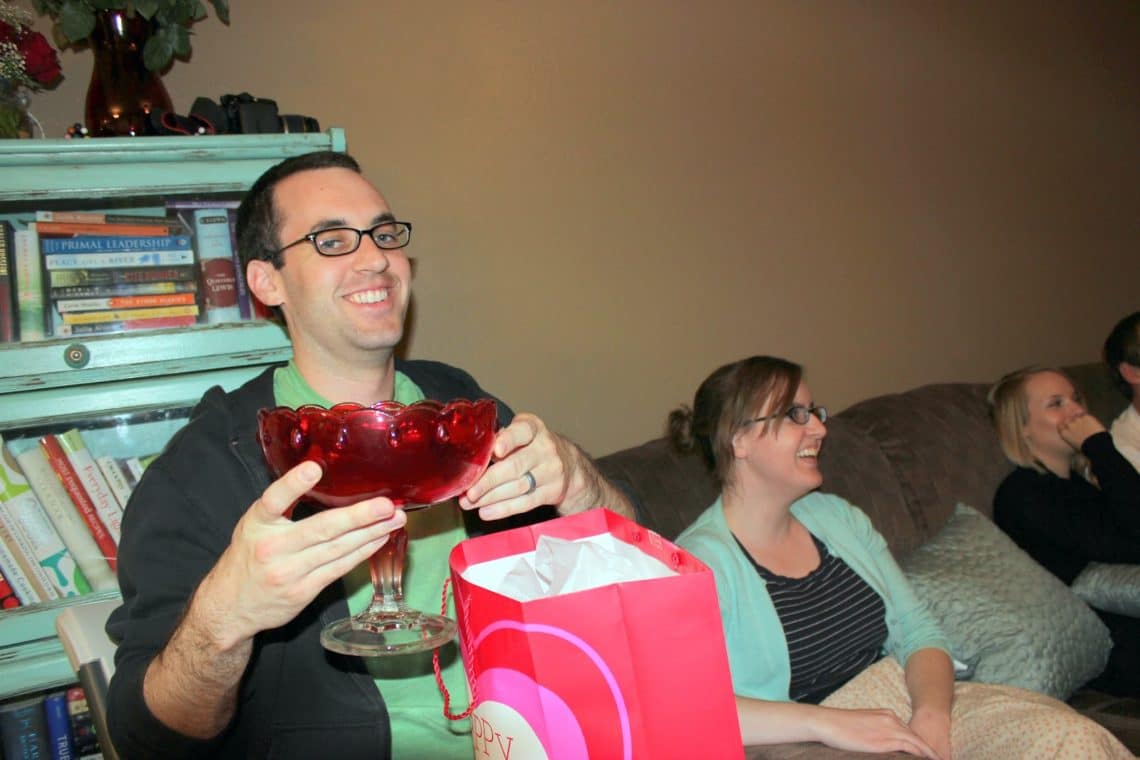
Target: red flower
<point>7,32</point>
<point>40,59</point>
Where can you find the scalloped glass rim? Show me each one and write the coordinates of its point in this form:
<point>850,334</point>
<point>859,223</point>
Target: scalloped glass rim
<point>322,434</point>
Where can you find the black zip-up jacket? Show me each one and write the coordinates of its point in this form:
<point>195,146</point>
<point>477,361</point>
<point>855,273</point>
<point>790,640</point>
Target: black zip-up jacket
<point>297,700</point>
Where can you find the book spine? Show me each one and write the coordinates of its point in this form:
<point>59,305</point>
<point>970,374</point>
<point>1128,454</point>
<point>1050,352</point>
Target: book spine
<point>244,304</point>
<point>104,229</point>
<point>123,289</point>
<point>102,328</point>
<point>9,305</point>
<point>8,598</point>
<point>23,729</point>
<point>58,724</point>
<point>106,505</point>
<point>65,516</point>
<point>216,264</point>
<point>19,503</point>
<point>124,315</point>
<point>57,457</point>
<point>122,276</point>
<point>95,244</point>
<point>29,285</point>
<point>69,305</point>
<point>114,260</point>
<point>113,471</point>
<point>10,566</point>
<point>13,534</point>
<point>83,737</point>
<point>98,217</point>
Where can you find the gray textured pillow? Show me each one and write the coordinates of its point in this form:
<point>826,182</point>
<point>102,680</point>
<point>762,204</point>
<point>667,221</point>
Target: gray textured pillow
<point>1112,588</point>
<point>1003,613</point>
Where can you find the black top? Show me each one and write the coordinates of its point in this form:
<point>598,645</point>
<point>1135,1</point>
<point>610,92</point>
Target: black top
<point>1066,523</point>
<point>834,623</point>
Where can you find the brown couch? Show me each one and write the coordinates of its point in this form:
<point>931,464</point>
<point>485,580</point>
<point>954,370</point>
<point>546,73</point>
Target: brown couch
<point>906,459</point>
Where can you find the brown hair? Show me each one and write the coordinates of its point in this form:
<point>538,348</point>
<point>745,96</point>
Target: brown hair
<point>726,401</point>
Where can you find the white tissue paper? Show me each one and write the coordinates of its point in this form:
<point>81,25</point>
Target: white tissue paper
<point>557,566</point>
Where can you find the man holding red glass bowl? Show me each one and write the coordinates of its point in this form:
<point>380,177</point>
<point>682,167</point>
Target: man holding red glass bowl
<point>228,576</point>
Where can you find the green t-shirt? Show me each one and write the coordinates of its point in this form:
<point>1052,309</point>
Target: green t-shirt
<point>415,705</point>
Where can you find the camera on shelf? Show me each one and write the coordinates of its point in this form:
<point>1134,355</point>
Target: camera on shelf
<point>246,114</point>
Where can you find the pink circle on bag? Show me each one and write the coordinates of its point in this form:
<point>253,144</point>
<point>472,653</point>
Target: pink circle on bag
<point>545,713</point>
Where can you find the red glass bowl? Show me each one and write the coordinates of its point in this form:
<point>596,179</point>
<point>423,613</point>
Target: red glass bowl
<point>417,454</point>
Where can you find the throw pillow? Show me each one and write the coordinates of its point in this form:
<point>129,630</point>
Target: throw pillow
<point>1003,613</point>
<point>1110,587</point>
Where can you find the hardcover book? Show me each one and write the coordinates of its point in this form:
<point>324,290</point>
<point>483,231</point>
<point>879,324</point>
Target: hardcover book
<point>9,306</point>
<point>106,505</point>
<point>218,274</point>
<point>118,259</point>
<point>122,289</point>
<point>110,303</point>
<point>23,729</point>
<point>99,217</point>
<point>64,515</point>
<point>83,738</point>
<point>122,315</point>
<point>102,328</point>
<point>19,504</point>
<point>104,229</point>
<point>96,244</point>
<point>29,285</point>
<point>58,723</point>
<point>122,276</point>
<point>57,458</point>
<point>14,574</point>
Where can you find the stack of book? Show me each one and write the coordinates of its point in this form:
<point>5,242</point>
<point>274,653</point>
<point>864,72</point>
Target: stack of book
<point>71,273</point>
<point>61,510</point>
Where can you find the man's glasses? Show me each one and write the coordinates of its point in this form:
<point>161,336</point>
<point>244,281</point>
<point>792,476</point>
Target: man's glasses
<point>797,414</point>
<point>341,241</point>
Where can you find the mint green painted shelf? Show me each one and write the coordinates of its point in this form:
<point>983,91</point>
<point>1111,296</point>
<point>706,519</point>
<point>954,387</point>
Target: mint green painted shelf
<point>56,382</point>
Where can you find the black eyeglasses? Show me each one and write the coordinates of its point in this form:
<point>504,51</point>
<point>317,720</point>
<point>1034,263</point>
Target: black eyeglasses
<point>341,241</point>
<point>797,414</point>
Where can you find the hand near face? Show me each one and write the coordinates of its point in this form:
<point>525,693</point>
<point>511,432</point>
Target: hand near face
<point>274,566</point>
<point>1076,430</point>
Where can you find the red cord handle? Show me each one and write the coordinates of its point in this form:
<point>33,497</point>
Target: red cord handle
<point>439,673</point>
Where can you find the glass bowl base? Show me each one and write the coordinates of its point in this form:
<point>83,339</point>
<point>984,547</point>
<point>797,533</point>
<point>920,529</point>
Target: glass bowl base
<point>371,635</point>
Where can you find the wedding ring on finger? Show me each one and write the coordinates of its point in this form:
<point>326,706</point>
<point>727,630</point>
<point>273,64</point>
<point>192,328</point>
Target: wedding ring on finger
<point>532,484</point>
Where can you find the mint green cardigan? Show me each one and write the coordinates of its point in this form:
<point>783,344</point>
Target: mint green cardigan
<point>757,649</point>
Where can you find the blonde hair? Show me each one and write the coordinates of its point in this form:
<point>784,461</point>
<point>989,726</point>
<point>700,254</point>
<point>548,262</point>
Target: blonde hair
<point>1009,410</point>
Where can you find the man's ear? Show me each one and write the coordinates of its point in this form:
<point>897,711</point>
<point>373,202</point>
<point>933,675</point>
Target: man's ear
<point>1130,373</point>
<point>264,281</point>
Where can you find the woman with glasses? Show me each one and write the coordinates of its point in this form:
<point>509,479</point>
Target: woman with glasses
<point>811,598</point>
<point>1073,499</point>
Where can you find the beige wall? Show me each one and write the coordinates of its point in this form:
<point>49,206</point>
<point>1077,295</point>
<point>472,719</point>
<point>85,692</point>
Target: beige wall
<point>611,198</point>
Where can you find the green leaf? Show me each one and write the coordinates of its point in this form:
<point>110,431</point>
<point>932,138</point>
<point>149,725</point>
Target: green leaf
<point>76,20</point>
<point>181,41</point>
<point>199,11</point>
<point>222,8</point>
<point>159,50</point>
<point>146,8</point>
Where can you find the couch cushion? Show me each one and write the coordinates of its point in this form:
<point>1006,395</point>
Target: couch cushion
<point>1002,612</point>
<point>855,468</point>
<point>941,446</point>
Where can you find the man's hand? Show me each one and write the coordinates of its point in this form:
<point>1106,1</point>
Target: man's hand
<point>1076,430</point>
<point>272,568</point>
<point>563,474</point>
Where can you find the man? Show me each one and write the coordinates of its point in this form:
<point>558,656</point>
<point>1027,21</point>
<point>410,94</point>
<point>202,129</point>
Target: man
<point>225,590</point>
<point>1122,354</point>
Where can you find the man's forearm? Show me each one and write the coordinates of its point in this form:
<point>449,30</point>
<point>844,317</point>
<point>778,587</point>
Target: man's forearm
<point>192,685</point>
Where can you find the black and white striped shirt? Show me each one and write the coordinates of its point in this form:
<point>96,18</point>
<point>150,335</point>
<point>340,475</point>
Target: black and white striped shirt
<point>834,622</point>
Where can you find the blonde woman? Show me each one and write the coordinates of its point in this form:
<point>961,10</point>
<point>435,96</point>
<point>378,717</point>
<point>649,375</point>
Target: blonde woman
<point>1073,498</point>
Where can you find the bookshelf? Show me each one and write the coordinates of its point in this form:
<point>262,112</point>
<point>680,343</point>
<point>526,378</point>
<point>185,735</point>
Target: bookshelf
<point>134,383</point>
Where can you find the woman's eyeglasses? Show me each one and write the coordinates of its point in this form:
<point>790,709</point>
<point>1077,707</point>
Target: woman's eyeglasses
<point>797,414</point>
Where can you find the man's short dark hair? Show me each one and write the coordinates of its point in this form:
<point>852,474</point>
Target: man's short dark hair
<point>258,219</point>
<point>1123,347</point>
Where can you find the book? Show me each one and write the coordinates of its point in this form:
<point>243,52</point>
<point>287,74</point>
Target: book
<point>123,315</point>
<point>25,557</point>
<point>106,505</point>
<point>58,723</point>
<point>98,244</point>
<point>15,575</point>
<point>29,285</point>
<point>57,458</point>
<point>245,304</point>
<point>64,515</point>
<point>115,260</point>
<point>120,290</point>
<point>122,276</point>
<point>99,217</point>
<point>102,328</point>
<point>8,598</point>
<point>69,305</point>
<point>83,739</point>
<point>217,273</point>
<point>19,503</point>
<point>114,470</point>
<point>23,729</point>
<point>104,229</point>
<point>9,305</point>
